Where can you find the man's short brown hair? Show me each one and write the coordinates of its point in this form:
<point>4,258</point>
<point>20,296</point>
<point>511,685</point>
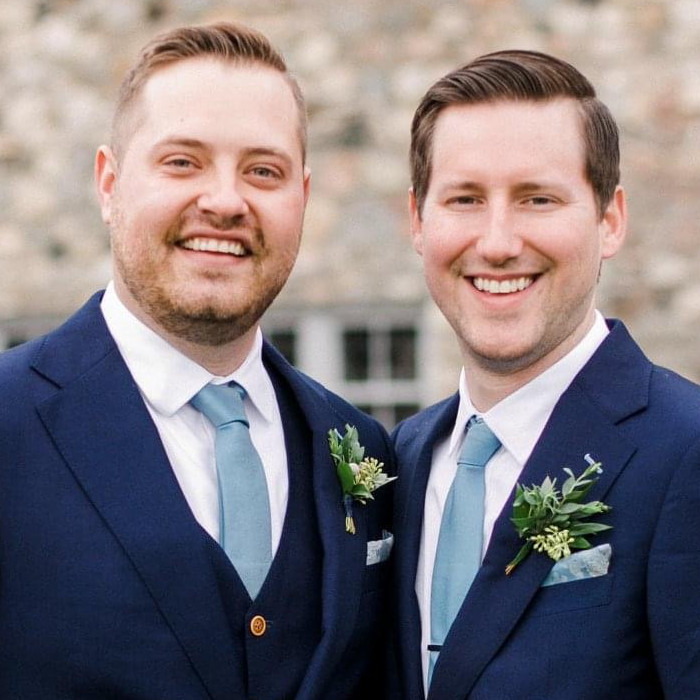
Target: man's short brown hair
<point>520,76</point>
<point>224,40</point>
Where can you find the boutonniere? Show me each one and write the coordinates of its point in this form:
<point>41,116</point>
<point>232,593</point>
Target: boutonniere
<point>554,521</point>
<point>359,475</point>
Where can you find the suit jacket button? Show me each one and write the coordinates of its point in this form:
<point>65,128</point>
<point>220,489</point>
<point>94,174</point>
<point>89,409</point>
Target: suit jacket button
<point>258,626</point>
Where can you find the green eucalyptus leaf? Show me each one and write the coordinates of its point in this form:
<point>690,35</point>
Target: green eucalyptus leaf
<point>582,492</point>
<point>522,525</point>
<point>519,496</point>
<point>591,508</point>
<point>569,508</point>
<point>361,491</point>
<point>568,485</point>
<point>544,513</point>
<point>588,529</point>
<point>547,485</point>
<point>521,511</point>
<point>532,498</point>
<point>346,477</point>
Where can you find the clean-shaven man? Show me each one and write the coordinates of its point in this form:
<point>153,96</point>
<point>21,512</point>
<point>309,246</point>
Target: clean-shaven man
<point>515,204</point>
<point>171,522</point>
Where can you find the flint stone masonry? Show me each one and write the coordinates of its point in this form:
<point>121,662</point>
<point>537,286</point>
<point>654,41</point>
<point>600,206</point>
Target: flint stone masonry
<point>363,66</point>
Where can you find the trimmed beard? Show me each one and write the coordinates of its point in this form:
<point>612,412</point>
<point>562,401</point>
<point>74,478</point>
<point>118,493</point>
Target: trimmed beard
<point>207,323</point>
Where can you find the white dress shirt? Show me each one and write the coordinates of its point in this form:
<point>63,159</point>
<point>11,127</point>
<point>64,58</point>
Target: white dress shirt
<point>517,421</point>
<point>167,380</point>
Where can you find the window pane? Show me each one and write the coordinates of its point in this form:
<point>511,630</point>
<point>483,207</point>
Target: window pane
<point>285,342</point>
<point>404,410</point>
<point>403,353</point>
<point>15,340</point>
<point>356,354</point>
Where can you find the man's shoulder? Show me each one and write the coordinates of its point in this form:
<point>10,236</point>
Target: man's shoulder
<point>16,360</point>
<point>674,397</point>
<point>318,395</point>
<point>620,375</point>
<point>59,352</point>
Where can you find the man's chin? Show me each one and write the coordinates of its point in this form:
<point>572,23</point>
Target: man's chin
<point>206,319</point>
<point>210,326</point>
<point>505,360</point>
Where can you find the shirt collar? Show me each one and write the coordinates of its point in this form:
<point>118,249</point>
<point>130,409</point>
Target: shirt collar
<point>519,419</point>
<point>168,379</point>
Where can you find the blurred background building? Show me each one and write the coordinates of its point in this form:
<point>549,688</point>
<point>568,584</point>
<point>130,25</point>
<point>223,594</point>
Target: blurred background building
<point>355,313</point>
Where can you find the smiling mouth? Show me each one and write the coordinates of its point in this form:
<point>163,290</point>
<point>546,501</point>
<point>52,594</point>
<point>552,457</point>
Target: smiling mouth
<point>215,245</point>
<point>492,286</point>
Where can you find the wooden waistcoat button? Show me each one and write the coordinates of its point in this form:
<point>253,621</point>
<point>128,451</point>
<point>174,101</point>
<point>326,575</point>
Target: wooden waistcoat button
<point>258,625</point>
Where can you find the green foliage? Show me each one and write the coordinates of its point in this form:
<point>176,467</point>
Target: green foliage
<point>359,476</point>
<point>552,520</point>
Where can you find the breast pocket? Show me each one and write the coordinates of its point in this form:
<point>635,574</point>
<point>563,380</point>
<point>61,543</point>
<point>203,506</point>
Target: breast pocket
<point>574,595</point>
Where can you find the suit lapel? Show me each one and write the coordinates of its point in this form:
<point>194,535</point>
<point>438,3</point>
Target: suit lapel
<point>344,555</point>
<point>611,387</point>
<point>415,463</point>
<point>100,425</point>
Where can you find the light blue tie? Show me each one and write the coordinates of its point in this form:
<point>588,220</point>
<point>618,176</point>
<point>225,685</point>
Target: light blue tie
<point>244,504</point>
<point>458,555</point>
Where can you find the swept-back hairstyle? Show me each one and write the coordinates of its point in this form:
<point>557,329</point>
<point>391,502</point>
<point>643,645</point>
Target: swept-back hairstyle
<point>520,76</point>
<point>225,41</point>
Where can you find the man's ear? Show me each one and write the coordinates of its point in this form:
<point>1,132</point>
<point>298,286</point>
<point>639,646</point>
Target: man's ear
<point>416,223</point>
<point>613,225</point>
<point>105,180</point>
<point>307,185</point>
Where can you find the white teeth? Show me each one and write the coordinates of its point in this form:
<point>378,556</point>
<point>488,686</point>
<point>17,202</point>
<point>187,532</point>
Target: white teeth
<point>502,286</point>
<point>214,245</point>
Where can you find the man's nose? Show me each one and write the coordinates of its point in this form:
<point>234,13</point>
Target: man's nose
<point>223,195</point>
<point>499,239</point>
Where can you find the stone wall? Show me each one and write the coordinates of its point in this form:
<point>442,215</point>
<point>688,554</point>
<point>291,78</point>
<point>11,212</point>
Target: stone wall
<point>363,66</point>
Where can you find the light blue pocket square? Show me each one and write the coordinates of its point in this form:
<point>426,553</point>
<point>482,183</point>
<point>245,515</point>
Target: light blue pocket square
<point>379,550</point>
<point>587,563</point>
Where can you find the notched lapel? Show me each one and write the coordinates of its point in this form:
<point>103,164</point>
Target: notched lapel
<point>102,428</point>
<point>344,554</point>
<point>496,602</point>
<point>414,455</point>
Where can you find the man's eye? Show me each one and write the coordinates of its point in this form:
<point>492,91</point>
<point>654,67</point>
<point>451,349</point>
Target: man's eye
<point>263,171</point>
<point>179,162</point>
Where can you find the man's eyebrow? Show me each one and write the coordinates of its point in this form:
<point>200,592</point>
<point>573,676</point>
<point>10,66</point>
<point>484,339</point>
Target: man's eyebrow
<point>180,141</point>
<point>458,184</point>
<point>268,151</point>
<point>188,142</point>
<point>538,186</point>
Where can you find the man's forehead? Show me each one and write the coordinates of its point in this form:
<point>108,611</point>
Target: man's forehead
<point>493,124</point>
<point>563,107</point>
<point>204,69</point>
<point>196,86</point>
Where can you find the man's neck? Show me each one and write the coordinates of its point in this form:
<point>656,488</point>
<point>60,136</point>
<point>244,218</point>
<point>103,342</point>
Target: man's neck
<point>490,382</point>
<point>487,388</point>
<point>220,360</point>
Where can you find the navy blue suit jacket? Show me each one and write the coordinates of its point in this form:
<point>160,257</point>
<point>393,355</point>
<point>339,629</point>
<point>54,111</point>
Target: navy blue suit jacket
<point>633,633</point>
<point>106,583</point>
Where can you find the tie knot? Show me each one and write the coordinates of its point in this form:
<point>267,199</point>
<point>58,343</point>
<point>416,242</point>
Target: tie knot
<point>480,444</point>
<point>221,403</point>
